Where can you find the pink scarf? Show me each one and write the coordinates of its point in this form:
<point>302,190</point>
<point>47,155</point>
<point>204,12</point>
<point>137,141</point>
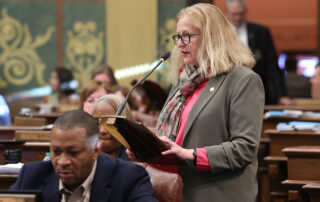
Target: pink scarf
<point>169,119</point>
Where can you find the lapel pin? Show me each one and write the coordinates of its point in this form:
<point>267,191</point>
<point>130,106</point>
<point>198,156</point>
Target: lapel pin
<point>211,89</point>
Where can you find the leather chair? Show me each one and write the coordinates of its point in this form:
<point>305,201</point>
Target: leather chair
<point>167,186</point>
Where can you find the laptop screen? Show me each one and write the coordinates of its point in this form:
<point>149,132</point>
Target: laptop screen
<point>306,62</point>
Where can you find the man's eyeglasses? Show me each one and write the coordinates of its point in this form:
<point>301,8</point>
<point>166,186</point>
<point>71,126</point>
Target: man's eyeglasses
<point>185,38</point>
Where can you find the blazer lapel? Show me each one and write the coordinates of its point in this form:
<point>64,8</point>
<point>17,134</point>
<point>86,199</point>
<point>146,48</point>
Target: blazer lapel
<point>172,93</point>
<point>251,36</point>
<point>208,92</point>
<point>51,188</point>
<point>100,192</point>
<point>100,187</point>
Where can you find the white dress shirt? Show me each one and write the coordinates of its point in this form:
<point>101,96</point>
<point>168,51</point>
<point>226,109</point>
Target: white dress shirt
<point>242,33</point>
<point>81,193</point>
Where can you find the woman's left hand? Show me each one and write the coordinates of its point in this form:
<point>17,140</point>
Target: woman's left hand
<point>131,155</point>
<point>181,153</point>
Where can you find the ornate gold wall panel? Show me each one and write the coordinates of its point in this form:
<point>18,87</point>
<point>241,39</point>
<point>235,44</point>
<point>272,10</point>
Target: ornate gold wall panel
<point>36,36</point>
<point>19,60</point>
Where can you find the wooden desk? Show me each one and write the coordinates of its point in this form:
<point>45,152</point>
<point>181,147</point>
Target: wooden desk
<point>313,191</point>
<point>303,168</point>
<point>272,122</point>
<point>36,119</point>
<point>303,162</point>
<point>30,151</point>
<point>262,174</point>
<point>50,117</point>
<point>273,166</point>
<point>315,108</point>
<point>28,121</point>
<point>277,161</point>
<point>6,180</point>
<point>307,101</point>
<point>277,172</point>
<point>8,132</point>
<point>281,139</point>
<point>295,193</point>
<point>26,133</point>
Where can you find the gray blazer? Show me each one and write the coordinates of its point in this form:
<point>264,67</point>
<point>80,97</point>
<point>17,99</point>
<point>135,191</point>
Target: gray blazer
<point>226,120</point>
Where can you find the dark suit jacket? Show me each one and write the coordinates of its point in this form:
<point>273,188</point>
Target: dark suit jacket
<point>114,180</point>
<point>261,44</point>
<point>121,154</point>
<point>226,120</point>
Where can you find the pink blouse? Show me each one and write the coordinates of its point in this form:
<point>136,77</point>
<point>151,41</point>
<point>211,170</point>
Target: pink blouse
<point>202,158</point>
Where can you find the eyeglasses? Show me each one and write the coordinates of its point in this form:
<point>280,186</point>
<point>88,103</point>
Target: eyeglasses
<point>185,38</point>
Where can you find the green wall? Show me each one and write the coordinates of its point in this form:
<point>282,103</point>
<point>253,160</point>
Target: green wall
<point>37,36</point>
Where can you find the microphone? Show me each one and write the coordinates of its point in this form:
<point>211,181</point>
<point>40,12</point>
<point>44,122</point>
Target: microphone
<point>164,57</point>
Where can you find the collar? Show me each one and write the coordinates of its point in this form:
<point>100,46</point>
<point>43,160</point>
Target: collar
<point>243,26</point>
<point>242,32</point>
<point>86,185</point>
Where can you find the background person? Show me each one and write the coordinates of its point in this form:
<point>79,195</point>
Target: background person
<point>91,92</point>
<point>297,86</point>
<point>213,115</point>
<point>5,118</point>
<point>104,73</point>
<point>259,40</point>
<point>109,105</point>
<point>78,172</point>
<point>63,87</point>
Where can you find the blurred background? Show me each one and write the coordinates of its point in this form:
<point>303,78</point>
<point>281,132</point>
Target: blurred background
<point>36,36</point>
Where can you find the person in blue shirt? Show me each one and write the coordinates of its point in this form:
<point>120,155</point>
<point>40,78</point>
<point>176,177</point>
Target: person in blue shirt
<point>4,112</point>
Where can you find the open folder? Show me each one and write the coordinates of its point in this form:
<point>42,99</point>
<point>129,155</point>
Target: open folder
<point>146,146</point>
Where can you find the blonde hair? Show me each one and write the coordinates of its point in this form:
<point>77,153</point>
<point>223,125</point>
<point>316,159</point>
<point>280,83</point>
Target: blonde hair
<point>220,48</point>
<point>115,101</point>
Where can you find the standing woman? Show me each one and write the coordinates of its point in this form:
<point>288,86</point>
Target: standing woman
<point>213,116</point>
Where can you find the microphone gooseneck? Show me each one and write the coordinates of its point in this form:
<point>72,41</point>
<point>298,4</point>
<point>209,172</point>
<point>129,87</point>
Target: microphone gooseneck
<point>164,57</point>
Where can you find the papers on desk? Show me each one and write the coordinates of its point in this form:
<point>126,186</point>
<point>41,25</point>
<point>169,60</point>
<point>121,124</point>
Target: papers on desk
<point>290,114</point>
<point>299,125</point>
<point>13,168</point>
<point>284,113</point>
<point>47,127</point>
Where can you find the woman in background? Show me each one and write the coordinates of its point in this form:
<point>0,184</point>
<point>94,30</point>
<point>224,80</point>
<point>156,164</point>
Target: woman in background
<point>91,92</point>
<point>63,86</point>
<point>108,105</point>
<point>104,73</point>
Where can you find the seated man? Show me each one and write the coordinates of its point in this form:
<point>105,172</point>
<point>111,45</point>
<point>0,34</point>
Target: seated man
<point>78,172</point>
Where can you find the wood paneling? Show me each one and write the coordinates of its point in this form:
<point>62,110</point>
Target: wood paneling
<point>293,23</point>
